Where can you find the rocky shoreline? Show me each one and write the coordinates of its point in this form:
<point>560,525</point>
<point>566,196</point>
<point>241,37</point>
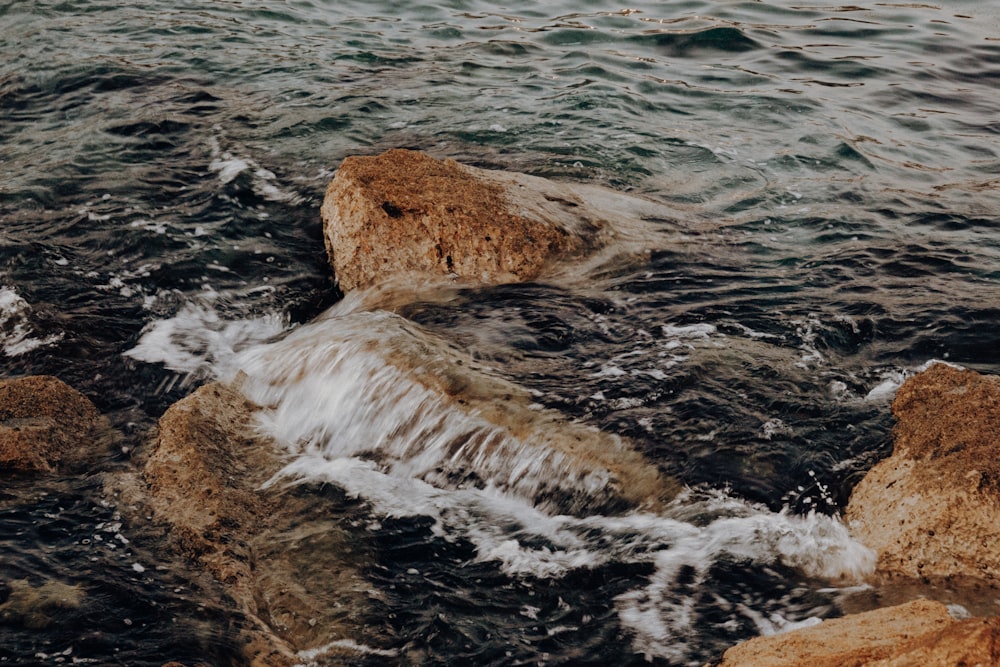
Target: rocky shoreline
<point>928,511</point>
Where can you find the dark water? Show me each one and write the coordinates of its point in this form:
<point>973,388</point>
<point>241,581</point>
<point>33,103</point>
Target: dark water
<point>833,174</point>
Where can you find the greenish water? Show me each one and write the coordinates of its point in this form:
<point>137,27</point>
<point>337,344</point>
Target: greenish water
<point>832,173</point>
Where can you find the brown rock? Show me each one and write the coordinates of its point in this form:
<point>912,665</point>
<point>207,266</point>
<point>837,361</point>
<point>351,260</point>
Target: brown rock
<point>202,476</point>
<point>971,643</point>
<point>930,510</point>
<point>290,570</point>
<point>403,212</point>
<point>46,425</point>
<point>916,633</point>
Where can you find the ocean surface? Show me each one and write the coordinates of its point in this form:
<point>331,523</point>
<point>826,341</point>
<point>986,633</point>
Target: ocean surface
<point>832,181</point>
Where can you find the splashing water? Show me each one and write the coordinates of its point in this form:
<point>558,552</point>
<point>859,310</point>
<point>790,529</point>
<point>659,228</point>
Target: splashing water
<point>17,336</point>
<point>831,177</point>
<point>369,402</point>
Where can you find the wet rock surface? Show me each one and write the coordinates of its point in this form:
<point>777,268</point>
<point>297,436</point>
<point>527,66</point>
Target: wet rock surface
<point>916,633</point>
<point>930,510</point>
<point>462,422</point>
<point>46,426</point>
<point>37,607</point>
<point>405,213</point>
<point>290,569</point>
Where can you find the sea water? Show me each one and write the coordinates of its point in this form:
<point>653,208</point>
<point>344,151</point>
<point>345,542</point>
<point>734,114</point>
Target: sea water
<point>829,176</point>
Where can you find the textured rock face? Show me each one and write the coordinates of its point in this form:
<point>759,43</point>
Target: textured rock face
<point>403,212</point>
<point>931,509</point>
<point>916,633</point>
<point>289,568</point>
<point>46,425</point>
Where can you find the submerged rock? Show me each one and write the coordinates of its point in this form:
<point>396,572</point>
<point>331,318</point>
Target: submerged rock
<point>930,510</point>
<point>374,386</point>
<point>288,566</point>
<point>36,607</point>
<point>916,633</point>
<point>46,426</point>
<point>404,212</point>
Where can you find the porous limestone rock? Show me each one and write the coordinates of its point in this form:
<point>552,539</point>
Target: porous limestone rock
<point>46,425</point>
<point>920,632</point>
<point>289,569</point>
<point>930,511</point>
<point>405,213</point>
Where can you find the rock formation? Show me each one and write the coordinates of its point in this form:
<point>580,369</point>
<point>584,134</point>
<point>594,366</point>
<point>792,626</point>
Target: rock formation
<point>404,213</point>
<point>916,633</point>
<point>289,568</point>
<point>931,509</point>
<point>46,426</point>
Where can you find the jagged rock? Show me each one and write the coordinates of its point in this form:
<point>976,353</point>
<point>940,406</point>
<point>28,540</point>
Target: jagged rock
<point>916,633</point>
<point>403,212</point>
<point>930,510</point>
<point>46,425</point>
<point>290,570</point>
<point>974,642</point>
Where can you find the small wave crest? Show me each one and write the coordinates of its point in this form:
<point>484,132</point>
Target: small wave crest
<point>198,341</point>
<point>17,336</point>
<point>683,543</point>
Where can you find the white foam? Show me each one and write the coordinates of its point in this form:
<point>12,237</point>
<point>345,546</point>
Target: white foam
<point>893,379</point>
<point>332,394</point>
<point>197,341</point>
<point>228,167</point>
<point>264,182</point>
<point>340,645</point>
<point>700,330</point>
<point>150,226</point>
<point>773,427</point>
<point>17,336</point>
<point>885,389</point>
<point>807,330</point>
<point>662,619</point>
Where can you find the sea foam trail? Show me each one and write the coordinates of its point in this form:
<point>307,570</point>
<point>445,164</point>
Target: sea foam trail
<point>662,614</point>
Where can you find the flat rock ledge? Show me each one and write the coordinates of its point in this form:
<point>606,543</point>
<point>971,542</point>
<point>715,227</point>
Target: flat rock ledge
<point>916,633</point>
<point>454,421</point>
<point>931,511</point>
<point>405,213</point>
<point>46,426</point>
